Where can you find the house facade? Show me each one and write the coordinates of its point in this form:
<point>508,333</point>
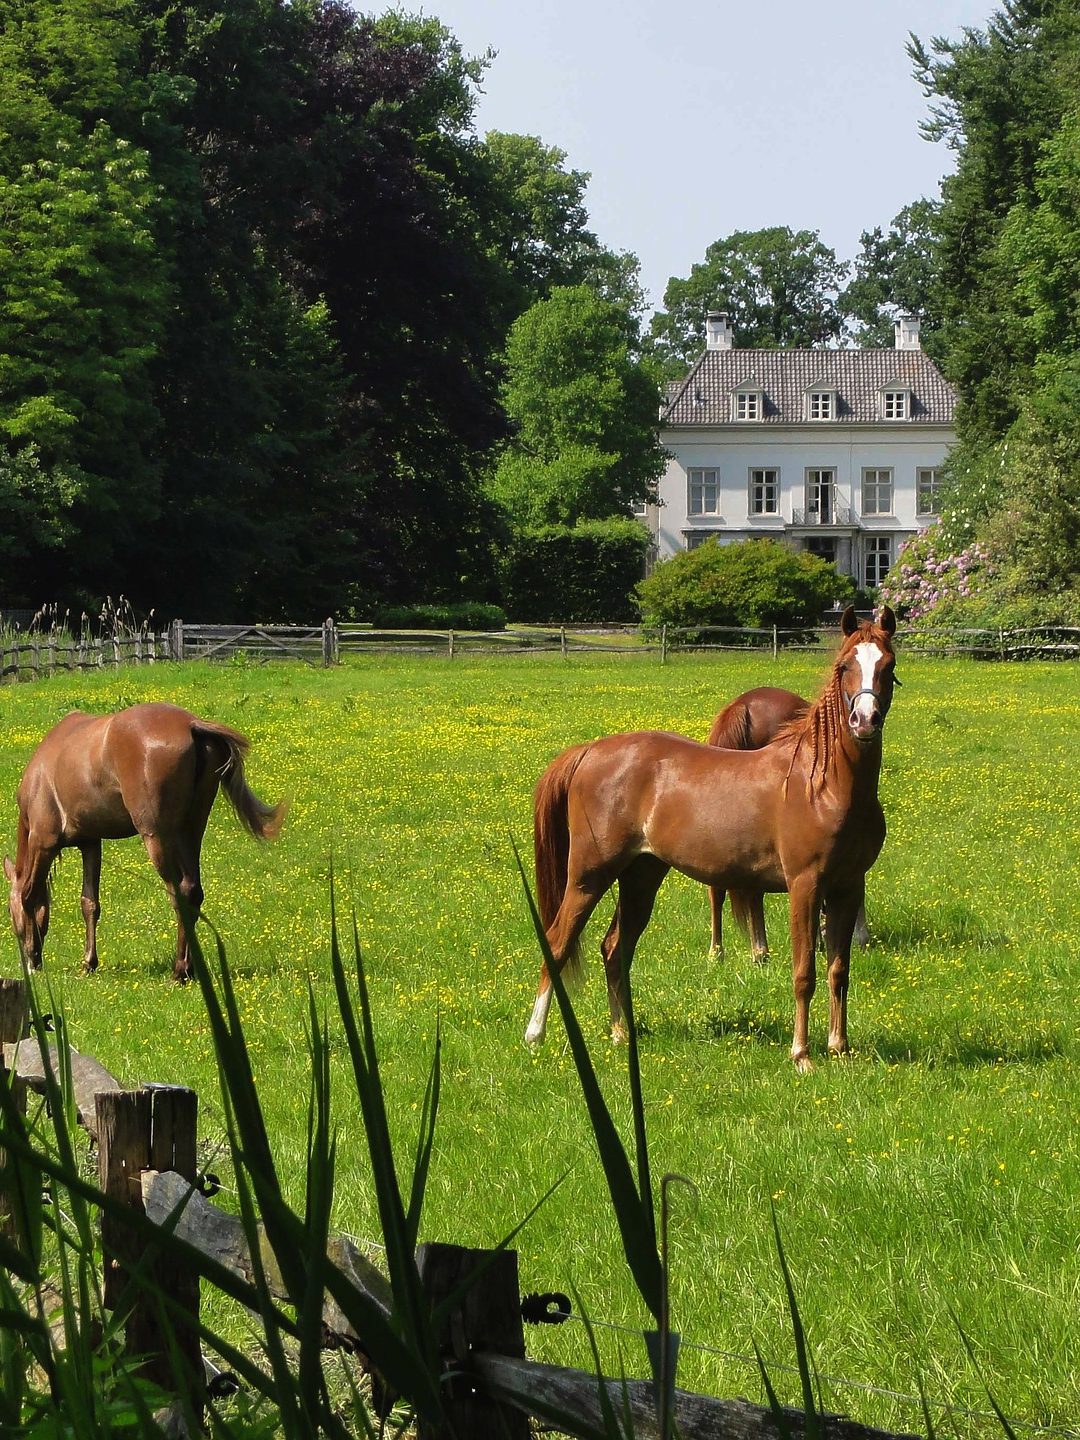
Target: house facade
<point>834,451</point>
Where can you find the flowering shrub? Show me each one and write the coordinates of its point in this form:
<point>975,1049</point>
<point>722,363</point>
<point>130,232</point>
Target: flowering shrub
<point>923,577</point>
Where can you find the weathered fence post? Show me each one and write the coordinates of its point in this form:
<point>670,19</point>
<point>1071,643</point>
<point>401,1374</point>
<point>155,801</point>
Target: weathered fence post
<point>328,646</point>
<point>775,643</point>
<point>450,641</point>
<point>14,1014</point>
<point>488,1319</point>
<point>176,640</point>
<point>562,641</point>
<point>663,644</point>
<point>150,1129</point>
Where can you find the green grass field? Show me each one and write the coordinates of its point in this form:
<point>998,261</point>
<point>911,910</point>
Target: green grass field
<point>931,1178</point>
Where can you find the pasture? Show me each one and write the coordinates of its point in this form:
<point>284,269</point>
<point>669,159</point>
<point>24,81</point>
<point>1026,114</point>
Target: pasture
<point>932,1177</point>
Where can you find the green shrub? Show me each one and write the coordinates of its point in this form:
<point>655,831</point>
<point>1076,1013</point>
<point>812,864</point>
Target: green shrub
<point>462,615</point>
<point>579,575</point>
<point>753,583</point>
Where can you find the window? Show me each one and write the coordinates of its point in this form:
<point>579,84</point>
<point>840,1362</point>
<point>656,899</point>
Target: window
<point>704,492</point>
<point>764,492</point>
<point>639,507</point>
<point>928,492</point>
<point>747,405</point>
<point>894,404</point>
<point>819,496</point>
<point>823,546</point>
<point>877,492</point>
<point>696,538</point>
<point>819,405</point>
<point>878,559</point>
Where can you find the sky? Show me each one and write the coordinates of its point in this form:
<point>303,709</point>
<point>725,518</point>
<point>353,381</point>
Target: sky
<point>696,119</point>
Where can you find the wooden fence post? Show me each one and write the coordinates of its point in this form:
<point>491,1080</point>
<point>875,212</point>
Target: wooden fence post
<point>775,643</point>
<point>562,641</point>
<point>149,1129</point>
<point>14,1014</point>
<point>176,640</point>
<point>487,1320</point>
<point>663,644</point>
<point>450,642</point>
<point>328,646</point>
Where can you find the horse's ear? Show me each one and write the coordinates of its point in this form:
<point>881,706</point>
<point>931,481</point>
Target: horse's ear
<point>9,869</point>
<point>887,620</point>
<point>849,621</point>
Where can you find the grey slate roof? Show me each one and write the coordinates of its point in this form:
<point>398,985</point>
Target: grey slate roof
<point>704,397</point>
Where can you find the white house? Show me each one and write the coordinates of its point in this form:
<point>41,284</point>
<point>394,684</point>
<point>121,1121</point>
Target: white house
<point>834,451</point>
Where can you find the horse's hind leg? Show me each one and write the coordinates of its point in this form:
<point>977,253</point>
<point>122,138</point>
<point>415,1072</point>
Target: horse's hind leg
<point>180,873</point>
<point>638,885</point>
<point>563,933</point>
<point>862,929</point>
<point>90,901</point>
<point>716,910</point>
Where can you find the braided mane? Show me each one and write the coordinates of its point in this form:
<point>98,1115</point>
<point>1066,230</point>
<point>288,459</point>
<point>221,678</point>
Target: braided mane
<point>823,726</point>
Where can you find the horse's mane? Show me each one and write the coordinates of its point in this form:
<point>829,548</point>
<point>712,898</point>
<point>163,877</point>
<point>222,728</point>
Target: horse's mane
<point>822,726</point>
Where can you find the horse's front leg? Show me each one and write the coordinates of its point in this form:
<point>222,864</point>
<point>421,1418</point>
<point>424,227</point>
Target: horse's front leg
<point>805,903</point>
<point>89,901</point>
<point>841,911</point>
<point>716,912</point>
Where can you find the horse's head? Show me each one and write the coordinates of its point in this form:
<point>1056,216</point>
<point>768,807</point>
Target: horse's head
<point>29,917</point>
<point>865,671</point>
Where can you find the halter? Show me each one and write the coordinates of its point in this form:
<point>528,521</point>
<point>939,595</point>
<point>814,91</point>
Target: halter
<point>866,690</point>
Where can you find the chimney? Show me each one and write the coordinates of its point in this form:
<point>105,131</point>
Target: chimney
<point>906,330</point>
<point>717,330</point>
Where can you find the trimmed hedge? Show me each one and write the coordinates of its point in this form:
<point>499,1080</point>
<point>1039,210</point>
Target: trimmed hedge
<point>463,615</point>
<point>580,575</point>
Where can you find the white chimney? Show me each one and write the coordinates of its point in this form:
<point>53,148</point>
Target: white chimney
<point>906,331</point>
<point>717,330</point>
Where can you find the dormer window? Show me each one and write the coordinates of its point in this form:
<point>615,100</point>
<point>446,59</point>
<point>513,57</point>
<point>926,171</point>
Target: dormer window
<point>895,404</point>
<point>746,403</point>
<point>821,404</point>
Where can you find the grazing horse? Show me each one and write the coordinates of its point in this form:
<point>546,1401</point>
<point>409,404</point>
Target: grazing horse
<point>151,770</point>
<point>752,720</point>
<point>800,815</point>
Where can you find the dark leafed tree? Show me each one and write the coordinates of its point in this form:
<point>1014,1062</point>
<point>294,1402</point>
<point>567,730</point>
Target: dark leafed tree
<point>779,287</point>
<point>896,272</point>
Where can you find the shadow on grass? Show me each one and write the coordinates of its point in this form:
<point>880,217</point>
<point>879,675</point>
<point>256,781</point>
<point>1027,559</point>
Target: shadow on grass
<point>952,925</point>
<point>968,1052</point>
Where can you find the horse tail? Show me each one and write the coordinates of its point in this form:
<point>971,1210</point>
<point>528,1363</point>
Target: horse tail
<point>258,819</point>
<point>740,909</point>
<point>731,728</point>
<point>551,835</point>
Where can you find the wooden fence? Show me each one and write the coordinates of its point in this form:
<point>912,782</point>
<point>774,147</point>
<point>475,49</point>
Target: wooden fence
<point>146,1142</point>
<point>30,656</point>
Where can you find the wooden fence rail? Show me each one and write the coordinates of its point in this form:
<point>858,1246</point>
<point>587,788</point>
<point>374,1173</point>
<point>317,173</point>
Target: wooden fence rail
<point>146,1141</point>
<point>31,656</point>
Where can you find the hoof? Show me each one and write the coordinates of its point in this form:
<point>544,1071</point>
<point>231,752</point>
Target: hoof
<point>618,1034</point>
<point>839,1052</point>
<point>803,1064</point>
<point>760,957</point>
<point>533,1039</point>
<point>716,952</point>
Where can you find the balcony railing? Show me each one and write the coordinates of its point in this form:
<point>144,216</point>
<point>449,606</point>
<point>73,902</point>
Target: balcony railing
<point>830,514</point>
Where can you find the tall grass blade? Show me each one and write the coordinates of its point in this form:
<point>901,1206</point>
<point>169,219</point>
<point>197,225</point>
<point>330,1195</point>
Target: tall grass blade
<point>1002,1418</point>
<point>637,1230</point>
<point>802,1354</point>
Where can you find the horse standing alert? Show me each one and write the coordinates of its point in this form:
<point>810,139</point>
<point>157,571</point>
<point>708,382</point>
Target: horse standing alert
<point>151,770</point>
<point>801,815</point>
<point>750,721</point>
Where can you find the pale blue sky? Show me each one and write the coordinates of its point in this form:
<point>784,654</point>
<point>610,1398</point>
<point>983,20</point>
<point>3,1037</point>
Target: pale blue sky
<point>698,119</point>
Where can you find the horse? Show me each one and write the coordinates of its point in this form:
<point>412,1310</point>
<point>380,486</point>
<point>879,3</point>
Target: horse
<point>750,721</point>
<point>800,815</point>
<point>151,770</point>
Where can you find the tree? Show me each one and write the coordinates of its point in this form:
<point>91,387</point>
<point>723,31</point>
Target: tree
<point>998,95</point>
<point>542,234</point>
<point>779,287</point>
<point>895,273</point>
<point>584,411</point>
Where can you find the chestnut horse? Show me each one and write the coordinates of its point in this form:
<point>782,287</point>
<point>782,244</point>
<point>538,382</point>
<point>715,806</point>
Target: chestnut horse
<point>750,721</point>
<point>800,815</point>
<point>151,770</point>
